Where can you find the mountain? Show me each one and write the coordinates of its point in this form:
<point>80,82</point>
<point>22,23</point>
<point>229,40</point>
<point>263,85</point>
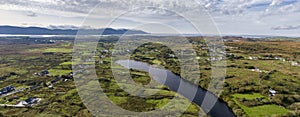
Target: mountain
<point>46,31</point>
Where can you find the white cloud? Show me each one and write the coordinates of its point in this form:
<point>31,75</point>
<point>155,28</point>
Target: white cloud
<point>68,27</point>
<point>31,14</point>
<point>287,27</point>
<point>232,16</point>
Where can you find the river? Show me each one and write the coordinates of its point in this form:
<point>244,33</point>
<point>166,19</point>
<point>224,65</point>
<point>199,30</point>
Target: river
<point>173,81</point>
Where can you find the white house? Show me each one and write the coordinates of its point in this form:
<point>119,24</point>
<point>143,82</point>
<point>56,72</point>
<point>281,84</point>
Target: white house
<point>294,63</point>
<point>272,92</point>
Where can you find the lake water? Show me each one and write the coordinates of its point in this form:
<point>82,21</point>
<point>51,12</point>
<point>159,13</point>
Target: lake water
<point>191,91</point>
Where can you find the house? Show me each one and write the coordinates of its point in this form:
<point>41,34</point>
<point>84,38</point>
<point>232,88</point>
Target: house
<point>294,63</point>
<point>42,73</point>
<point>30,101</point>
<point>256,70</point>
<point>7,89</point>
<point>171,56</point>
<point>277,58</point>
<point>128,51</point>
<point>71,73</point>
<point>102,56</point>
<point>253,58</point>
<point>50,86</point>
<point>272,92</point>
<point>104,51</point>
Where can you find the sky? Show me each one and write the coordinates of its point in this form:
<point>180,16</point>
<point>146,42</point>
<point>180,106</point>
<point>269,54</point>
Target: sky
<point>231,17</point>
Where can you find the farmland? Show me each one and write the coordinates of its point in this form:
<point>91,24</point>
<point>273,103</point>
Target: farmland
<point>253,67</point>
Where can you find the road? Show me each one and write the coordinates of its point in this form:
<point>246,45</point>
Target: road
<point>9,105</point>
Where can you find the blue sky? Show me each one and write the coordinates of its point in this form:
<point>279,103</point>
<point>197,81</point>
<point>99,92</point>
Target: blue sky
<point>232,17</point>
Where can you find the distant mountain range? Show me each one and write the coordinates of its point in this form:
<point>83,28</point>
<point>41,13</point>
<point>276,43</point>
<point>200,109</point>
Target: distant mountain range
<point>45,31</point>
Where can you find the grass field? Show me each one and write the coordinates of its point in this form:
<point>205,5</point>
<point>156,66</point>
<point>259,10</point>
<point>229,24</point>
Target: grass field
<point>259,111</point>
<point>265,110</point>
<point>58,72</point>
<point>248,96</point>
<point>59,50</point>
<point>245,91</point>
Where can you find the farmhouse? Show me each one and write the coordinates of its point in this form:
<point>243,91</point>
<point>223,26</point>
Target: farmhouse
<point>30,101</point>
<point>272,92</point>
<point>50,86</point>
<point>7,90</point>
<point>42,73</point>
<point>253,58</point>
<point>294,63</point>
<point>256,70</point>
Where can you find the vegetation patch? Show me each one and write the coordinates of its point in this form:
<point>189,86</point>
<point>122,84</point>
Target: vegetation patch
<point>59,72</point>
<point>265,110</point>
<point>59,50</point>
<point>249,96</point>
<point>261,110</point>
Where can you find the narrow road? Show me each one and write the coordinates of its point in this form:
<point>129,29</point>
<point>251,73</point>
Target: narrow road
<point>9,105</point>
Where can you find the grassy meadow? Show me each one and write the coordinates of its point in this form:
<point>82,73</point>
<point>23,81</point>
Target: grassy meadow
<point>252,68</point>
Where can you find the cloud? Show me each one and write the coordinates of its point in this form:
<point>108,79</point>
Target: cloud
<point>68,27</point>
<point>286,27</point>
<point>225,7</point>
<point>31,14</point>
<point>230,15</point>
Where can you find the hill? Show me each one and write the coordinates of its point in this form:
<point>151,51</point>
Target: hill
<point>46,31</point>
